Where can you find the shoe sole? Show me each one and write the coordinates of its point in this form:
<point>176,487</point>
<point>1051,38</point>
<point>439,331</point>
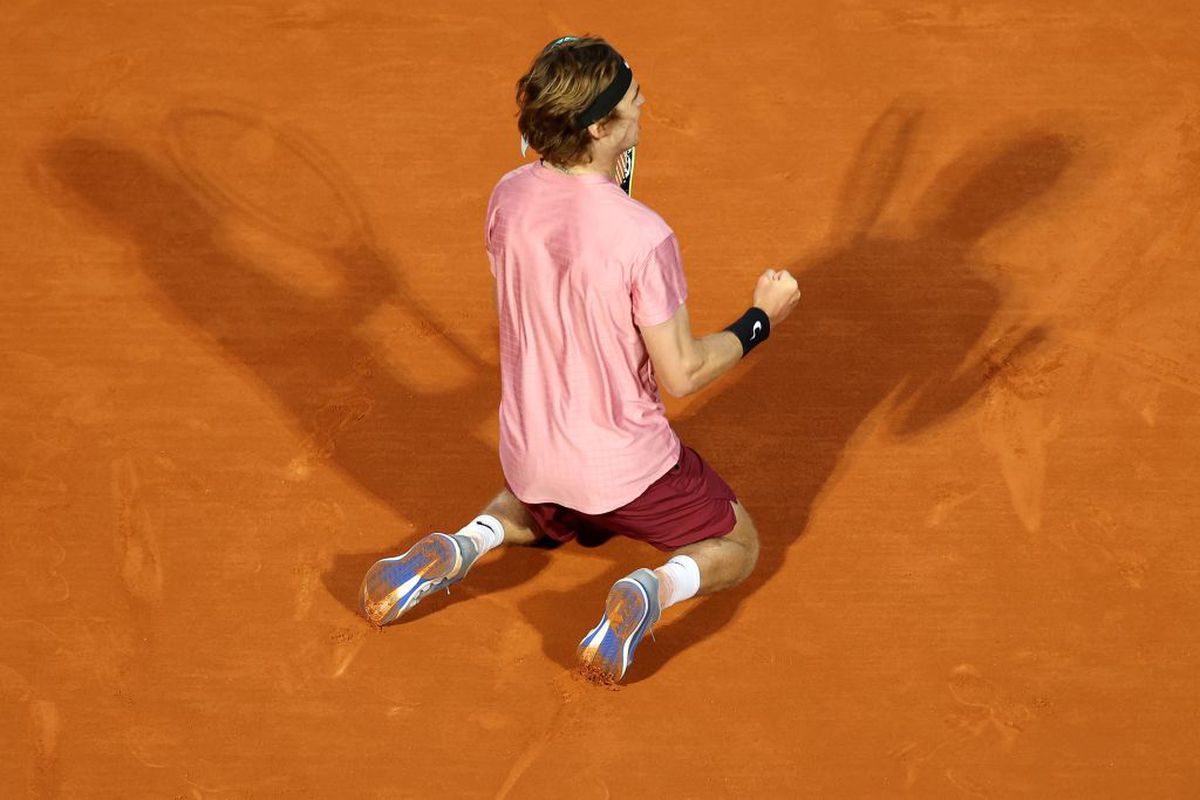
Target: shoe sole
<point>400,582</point>
<point>607,650</point>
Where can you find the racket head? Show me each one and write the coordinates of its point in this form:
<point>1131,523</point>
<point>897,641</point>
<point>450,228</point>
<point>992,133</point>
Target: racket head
<point>237,158</point>
<point>624,170</point>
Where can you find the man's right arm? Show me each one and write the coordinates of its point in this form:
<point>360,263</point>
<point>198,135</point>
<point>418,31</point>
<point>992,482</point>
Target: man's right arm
<point>683,363</point>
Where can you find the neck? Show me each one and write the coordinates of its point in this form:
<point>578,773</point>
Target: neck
<point>601,164</point>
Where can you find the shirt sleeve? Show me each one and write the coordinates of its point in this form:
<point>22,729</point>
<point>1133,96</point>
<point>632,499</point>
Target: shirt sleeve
<point>488,222</point>
<point>659,287</point>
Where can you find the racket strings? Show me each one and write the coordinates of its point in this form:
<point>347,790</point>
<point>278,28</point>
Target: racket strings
<point>624,170</point>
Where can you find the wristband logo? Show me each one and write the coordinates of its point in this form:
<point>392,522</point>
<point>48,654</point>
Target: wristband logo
<point>755,329</point>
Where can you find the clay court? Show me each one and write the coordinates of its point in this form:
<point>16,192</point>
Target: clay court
<point>248,346</point>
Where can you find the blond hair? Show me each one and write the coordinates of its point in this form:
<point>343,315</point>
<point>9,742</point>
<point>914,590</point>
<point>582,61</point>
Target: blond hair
<point>561,83</point>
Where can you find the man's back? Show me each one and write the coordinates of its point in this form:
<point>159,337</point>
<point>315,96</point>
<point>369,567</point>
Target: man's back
<point>579,266</point>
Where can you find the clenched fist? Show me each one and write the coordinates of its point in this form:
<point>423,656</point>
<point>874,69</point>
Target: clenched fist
<point>777,294</point>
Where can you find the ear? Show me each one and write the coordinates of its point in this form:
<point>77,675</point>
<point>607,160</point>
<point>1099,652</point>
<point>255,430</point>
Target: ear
<point>597,131</point>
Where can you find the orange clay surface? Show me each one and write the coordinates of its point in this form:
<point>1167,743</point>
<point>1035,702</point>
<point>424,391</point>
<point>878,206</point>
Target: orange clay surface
<point>248,346</point>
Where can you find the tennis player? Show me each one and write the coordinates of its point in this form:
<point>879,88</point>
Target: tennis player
<point>591,296</point>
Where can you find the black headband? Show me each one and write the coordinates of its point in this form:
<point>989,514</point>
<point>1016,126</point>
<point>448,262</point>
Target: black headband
<point>607,100</point>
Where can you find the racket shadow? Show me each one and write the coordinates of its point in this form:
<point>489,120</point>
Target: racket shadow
<point>347,407</point>
<point>884,320</point>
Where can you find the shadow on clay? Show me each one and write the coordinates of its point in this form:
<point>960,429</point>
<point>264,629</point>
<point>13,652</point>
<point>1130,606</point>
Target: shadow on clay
<point>901,324</point>
<point>348,408</point>
<point>884,319</point>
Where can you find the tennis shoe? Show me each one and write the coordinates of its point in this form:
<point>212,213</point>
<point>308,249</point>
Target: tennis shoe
<point>392,586</point>
<point>631,610</point>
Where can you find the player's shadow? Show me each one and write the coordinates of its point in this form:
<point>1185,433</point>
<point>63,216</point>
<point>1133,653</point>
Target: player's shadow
<point>881,316</point>
<point>349,409</point>
<point>900,323</point>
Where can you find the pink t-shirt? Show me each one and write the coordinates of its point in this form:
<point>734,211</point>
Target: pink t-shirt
<point>578,266</point>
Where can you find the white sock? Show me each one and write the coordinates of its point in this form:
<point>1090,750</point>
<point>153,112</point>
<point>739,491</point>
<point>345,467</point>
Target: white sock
<point>678,579</point>
<point>485,532</point>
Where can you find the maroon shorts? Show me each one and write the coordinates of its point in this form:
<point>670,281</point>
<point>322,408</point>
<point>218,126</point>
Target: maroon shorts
<point>689,504</point>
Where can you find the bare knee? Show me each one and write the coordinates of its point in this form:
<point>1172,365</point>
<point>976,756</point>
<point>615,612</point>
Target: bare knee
<point>745,535</point>
<point>751,556</point>
<point>726,561</point>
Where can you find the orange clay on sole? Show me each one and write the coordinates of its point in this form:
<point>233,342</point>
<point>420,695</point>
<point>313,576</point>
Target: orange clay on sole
<point>621,610</point>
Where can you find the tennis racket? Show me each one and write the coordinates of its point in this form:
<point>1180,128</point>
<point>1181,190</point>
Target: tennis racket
<point>624,170</point>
